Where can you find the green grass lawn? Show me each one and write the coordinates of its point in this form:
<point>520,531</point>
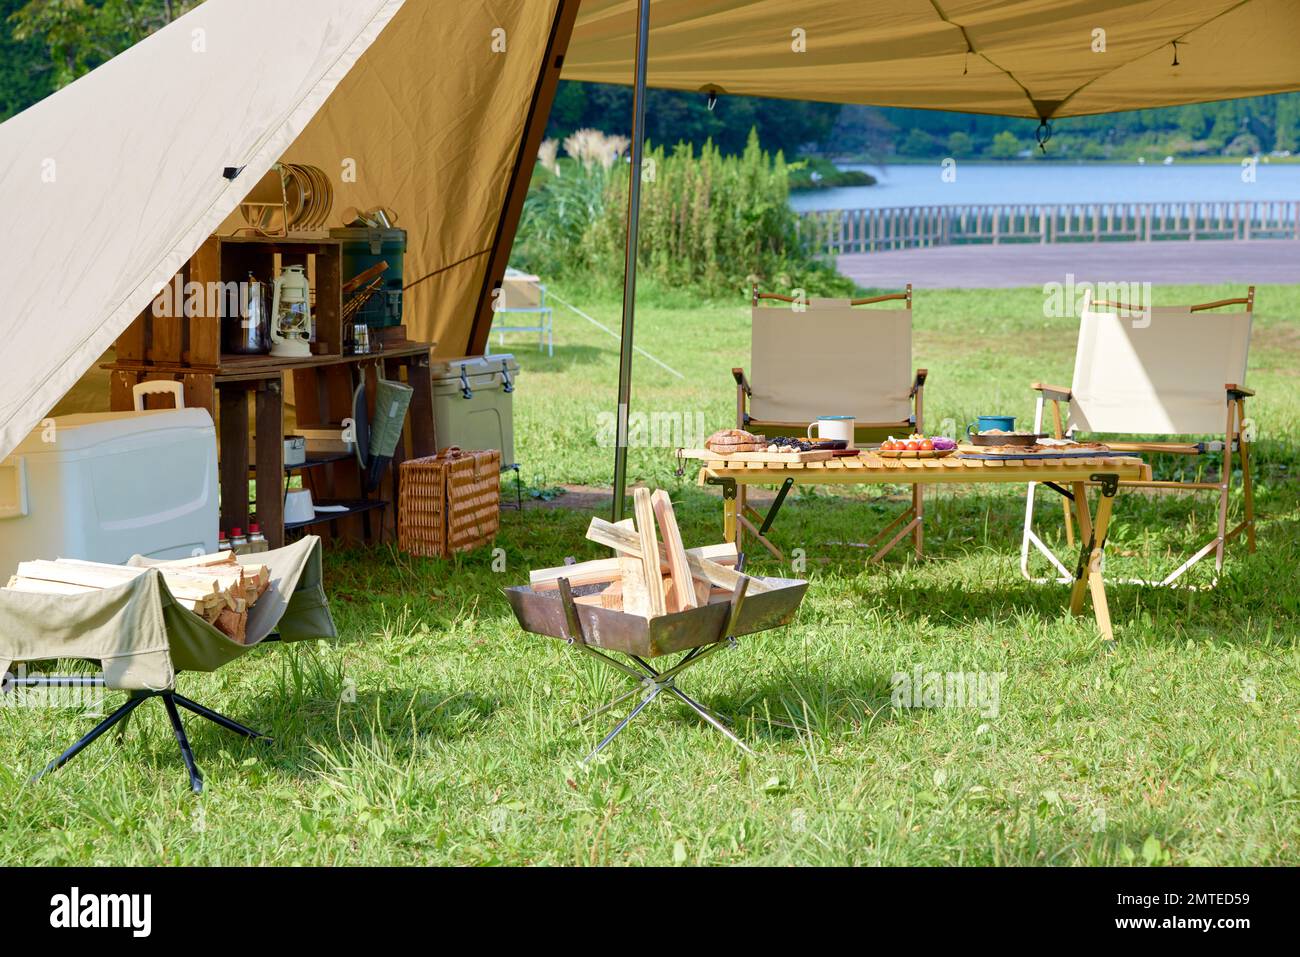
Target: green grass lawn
<point>436,732</point>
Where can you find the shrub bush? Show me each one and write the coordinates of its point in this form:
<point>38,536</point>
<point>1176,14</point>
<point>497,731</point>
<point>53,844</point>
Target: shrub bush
<point>709,222</point>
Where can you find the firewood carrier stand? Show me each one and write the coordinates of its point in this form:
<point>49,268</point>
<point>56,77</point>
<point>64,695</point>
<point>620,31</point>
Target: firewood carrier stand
<point>170,700</point>
<point>650,681</point>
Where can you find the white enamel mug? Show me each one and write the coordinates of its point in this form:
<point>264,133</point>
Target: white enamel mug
<point>833,428</point>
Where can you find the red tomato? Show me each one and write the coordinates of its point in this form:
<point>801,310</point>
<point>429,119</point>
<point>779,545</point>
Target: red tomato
<point>913,446</point>
<point>927,445</point>
<point>886,446</point>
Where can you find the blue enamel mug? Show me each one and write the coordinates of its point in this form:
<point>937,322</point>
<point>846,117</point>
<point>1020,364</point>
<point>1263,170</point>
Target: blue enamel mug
<point>987,423</point>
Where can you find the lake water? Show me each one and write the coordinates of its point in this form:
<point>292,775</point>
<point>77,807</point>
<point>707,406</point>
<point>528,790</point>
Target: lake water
<point>921,185</point>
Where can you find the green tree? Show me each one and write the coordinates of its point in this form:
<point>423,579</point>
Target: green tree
<point>1005,146</point>
<point>22,82</point>
<point>1287,125</point>
<point>960,144</point>
<point>917,143</point>
<point>79,35</point>
<point>673,117</point>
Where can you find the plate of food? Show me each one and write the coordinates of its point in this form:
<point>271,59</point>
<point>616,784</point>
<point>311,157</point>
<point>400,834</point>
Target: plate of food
<point>999,437</point>
<point>917,446</point>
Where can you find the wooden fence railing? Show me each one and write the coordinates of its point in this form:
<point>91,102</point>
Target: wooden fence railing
<point>903,227</point>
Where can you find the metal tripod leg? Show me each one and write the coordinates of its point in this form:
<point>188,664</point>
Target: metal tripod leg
<point>623,724</point>
<point>217,718</point>
<point>605,707</point>
<point>196,779</point>
<point>708,716</point>
<point>93,734</point>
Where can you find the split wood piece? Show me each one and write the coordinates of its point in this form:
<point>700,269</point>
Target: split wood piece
<point>244,581</point>
<point>204,591</point>
<point>605,533</point>
<point>645,526</point>
<point>684,587</point>
<point>45,586</point>
<point>611,597</point>
<point>230,583</point>
<point>636,596</point>
<point>109,576</point>
<point>608,569</point>
<point>232,624</point>
<point>37,586</point>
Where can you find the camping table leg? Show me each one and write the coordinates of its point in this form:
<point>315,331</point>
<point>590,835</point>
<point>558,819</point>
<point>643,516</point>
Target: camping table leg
<point>1081,511</point>
<point>918,519</point>
<point>730,509</point>
<point>742,496</point>
<point>1088,574</point>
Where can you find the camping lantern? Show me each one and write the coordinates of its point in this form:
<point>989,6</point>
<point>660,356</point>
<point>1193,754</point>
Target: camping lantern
<point>291,314</point>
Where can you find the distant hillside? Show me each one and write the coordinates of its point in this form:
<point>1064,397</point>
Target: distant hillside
<point>1266,124</point>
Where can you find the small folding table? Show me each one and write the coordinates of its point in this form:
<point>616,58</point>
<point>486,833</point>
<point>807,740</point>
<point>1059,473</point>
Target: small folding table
<point>1064,474</point>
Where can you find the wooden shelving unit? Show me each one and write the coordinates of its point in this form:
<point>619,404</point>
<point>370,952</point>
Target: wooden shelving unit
<point>237,389</point>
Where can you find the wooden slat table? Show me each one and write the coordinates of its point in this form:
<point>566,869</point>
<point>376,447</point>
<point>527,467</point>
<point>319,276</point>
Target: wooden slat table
<point>871,469</point>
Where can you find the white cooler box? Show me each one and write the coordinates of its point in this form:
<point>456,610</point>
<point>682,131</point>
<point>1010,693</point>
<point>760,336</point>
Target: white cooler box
<point>473,403</point>
<point>111,485</point>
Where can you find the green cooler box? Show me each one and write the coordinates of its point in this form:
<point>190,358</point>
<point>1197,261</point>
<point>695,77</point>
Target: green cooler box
<point>473,405</point>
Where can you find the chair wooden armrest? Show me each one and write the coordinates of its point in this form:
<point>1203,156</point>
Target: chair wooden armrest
<point>919,382</point>
<point>739,375</point>
<point>1238,391</point>
<point>1059,393</point>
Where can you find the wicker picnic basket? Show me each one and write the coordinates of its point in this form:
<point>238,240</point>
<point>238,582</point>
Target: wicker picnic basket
<point>449,502</point>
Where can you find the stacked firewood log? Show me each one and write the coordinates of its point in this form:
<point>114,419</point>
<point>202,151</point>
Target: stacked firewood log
<point>647,576</point>
<point>215,587</point>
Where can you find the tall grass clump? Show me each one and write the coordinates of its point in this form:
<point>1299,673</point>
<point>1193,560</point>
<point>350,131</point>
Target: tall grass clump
<point>709,222</point>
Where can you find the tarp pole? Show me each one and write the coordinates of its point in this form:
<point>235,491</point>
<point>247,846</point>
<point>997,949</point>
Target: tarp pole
<point>629,264</point>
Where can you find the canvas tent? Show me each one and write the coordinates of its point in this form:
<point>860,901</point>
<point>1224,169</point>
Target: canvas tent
<point>109,185</point>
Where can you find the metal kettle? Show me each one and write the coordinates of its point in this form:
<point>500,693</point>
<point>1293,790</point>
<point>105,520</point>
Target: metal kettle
<point>249,332</point>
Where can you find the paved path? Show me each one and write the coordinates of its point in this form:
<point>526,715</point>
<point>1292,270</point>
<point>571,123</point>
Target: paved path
<point>1032,264</point>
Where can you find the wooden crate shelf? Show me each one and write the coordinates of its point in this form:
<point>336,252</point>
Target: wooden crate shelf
<point>189,335</point>
<point>185,346</point>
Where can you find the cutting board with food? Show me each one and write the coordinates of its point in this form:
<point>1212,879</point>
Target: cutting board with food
<point>737,445</point>
<point>1041,449</point>
<point>772,457</point>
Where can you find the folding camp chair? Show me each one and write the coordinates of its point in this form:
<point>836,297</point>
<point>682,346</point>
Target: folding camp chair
<point>826,357</point>
<point>143,638</point>
<point>1158,374</point>
<point>524,295</point>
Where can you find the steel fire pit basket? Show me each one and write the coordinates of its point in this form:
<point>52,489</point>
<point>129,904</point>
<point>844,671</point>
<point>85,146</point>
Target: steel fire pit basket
<point>698,632</point>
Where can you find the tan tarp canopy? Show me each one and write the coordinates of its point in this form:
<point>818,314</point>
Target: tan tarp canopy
<point>1032,58</point>
<point>110,184</point>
